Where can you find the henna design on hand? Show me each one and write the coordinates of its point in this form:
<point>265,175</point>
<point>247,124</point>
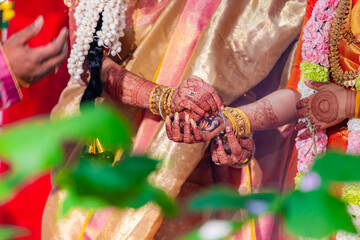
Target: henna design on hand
<point>325,107</point>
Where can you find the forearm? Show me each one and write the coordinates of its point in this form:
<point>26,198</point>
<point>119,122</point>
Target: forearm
<point>124,86</point>
<point>276,109</point>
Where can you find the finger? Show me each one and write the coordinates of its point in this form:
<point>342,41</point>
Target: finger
<point>213,151</point>
<point>168,127</point>
<point>247,144</point>
<point>194,116</point>
<point>302,113</point>
<point>30,31</point>
<point>50,65</point>
<point>316,85</point>
<point>175,133</point>
<point>193,107</point>
<point>54,48</point>
<point>198,98</point>
<point>300,125</point>
<point>244,156</point>
<point>207,98</point>
<point>233,142</point>
<point>212,91</point>
<point>304,135</point>
<point>302,103</point>
<point>222,156</point>
<point>196,131</point>
<point>187,131</point>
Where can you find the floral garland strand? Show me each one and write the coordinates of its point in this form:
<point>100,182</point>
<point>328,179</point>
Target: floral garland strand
<point>87,14</point>
<point>315,55</point>
<point>315,66</point>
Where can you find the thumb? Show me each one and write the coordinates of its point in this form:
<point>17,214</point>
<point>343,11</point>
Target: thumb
<point>316,85</point>
<point>31,31</point>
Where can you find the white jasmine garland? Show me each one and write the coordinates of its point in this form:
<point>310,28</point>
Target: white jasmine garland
<point>87,14</point>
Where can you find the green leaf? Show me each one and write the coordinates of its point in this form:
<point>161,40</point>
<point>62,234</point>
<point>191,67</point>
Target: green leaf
<point>219,198</point>
<point>338,167</point>
<point>95,184</point>
<point>315,214</point>
<point>11,232</point>
<point>37,146</point>
<point>214,230</point>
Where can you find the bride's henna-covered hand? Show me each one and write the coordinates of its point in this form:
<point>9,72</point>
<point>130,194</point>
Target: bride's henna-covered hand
<point>190,128</point>
<point>328,107</point>
<point>196,95</point>
<point>232,153</point>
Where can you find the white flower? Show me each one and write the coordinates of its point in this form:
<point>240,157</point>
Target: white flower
<point>305,90</point>
<point>310,182</point>
<point>215,229</point>
<point>354,125</point>
<point>256,206</point>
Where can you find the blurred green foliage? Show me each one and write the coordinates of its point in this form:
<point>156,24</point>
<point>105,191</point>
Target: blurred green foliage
<point>310,212</point>
<point>37,146</point>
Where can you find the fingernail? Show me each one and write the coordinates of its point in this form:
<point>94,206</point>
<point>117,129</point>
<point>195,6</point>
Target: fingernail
<point>227,129</point>
<point>167,119</point>
<point>222,108</point>
<point>297,139</point>
<point>39,21</point>
<point>192,122</point>
<point>186,118</point>
<point>207,115</point>
<point>177,116</point>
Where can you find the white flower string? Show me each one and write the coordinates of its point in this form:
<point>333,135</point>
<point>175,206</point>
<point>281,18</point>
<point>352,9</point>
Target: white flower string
<point>87,14</point>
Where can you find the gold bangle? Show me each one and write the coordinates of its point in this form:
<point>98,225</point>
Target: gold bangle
<point>247,127</point>
<point>168,102</point>
<point>242,123</point>
<point>155,98</point>
<point>232,120</point>
<point>357,103</point>
<point>163,103</point>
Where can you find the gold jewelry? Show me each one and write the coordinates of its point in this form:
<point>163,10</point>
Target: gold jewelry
<point>232,120</point>
<point>154,99</point>
<point>162,103</point>
<point>239,120</point>
<point>246,121</point>
<point>168,102</point>
<point>349,36</point>
<point>347,78</point>
<point>357,104</point>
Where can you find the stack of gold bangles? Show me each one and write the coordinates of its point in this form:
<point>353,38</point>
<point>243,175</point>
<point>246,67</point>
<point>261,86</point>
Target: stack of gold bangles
<point>239,120</point>
<point>160,100</point>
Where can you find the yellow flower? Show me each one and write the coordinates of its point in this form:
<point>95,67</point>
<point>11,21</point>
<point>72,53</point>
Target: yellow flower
<point>6,5</point>
<point>8,14</point>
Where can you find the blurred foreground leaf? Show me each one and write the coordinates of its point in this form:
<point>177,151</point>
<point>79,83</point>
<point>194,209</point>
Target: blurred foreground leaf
<point>94,184</point>
<point>225,198</point>
<point>37,146</point>
<point>315,214</point>
<point>213,230</point>
<point>11,232</point>
<point>338,167</point>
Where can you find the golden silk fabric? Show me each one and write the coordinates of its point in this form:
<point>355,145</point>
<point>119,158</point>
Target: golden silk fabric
<point>236,51</point>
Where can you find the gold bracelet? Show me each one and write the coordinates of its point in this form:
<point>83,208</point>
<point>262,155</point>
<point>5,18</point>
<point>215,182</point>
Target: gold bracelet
<point>232,120</point>
<point>357,103</point>
<point>168,102</point>
<point>239,120</point>
<point>163,104</point>
<point>246,121</point>
<point>154,99</point>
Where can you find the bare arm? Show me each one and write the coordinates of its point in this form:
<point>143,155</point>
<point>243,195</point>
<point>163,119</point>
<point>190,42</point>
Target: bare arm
<point>276,109</point>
